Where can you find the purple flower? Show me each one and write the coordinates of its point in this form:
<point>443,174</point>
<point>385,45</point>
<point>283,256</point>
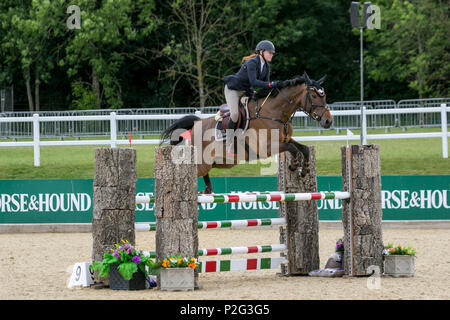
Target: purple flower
<point>136,259</point>
<point>115,254</point>
<point>340,245</point>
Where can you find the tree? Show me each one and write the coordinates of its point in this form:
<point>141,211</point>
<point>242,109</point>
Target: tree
<point>413,46</point>
<point>315,37</point>
<point>28,28</point>
<point>106,39</point>
<point>202,41</point>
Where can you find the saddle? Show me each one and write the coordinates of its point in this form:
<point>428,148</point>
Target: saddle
<point>223,117</point>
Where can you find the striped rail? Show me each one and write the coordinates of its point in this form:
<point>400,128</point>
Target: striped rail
<point>233,250</point>
<point>222,224</point>
<point>240,264</point>
<point>259,197</point>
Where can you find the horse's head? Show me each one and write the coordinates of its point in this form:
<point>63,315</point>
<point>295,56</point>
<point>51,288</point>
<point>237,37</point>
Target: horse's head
<point>315,103</point>
<point>300,93</point>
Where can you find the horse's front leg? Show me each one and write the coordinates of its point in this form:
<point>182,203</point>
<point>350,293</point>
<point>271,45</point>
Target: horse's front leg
<point>304,150</point>
<point>294,151</point>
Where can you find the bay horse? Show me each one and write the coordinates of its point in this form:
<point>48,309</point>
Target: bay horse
<point>270,109</point>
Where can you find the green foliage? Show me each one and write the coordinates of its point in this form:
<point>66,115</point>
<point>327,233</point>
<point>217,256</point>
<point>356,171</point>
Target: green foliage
<point>412,46</point>
<point>28,45</point>
<point>147,53</point>
<point>399,250</point>
<point>84,98</point>
<point>110,32</point>
<point>178,261</point>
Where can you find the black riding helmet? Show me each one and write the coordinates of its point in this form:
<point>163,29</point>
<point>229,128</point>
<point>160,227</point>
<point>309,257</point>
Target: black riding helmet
<point>265,45</point>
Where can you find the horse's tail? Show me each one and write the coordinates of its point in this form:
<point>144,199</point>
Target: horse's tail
<point>185,123</point>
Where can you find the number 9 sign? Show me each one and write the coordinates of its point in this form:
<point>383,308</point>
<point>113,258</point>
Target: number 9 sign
<point>82,275</point>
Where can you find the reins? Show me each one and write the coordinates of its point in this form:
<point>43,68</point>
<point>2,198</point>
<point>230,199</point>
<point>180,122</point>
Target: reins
<point>311,112</point>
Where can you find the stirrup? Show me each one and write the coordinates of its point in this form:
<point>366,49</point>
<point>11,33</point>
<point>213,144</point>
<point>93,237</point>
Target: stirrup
<point>244,100</point>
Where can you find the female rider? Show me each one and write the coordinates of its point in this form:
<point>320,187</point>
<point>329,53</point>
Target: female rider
<point>254,73</point>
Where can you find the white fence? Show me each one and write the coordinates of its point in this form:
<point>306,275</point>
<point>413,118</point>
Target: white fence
<point>113,118</point>
<point>59,130</point>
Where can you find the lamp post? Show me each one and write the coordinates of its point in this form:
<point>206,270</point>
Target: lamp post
<point>355,21</point>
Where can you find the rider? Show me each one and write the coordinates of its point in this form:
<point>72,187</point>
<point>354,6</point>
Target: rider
<point>254,73</point>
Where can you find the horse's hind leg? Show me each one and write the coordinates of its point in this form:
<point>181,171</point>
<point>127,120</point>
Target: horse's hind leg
<point>203,171</point>
<point>208,184</point>
<point>305,153</point>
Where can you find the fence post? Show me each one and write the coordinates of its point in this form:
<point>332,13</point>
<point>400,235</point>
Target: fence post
<point>364,126</point>
<point>176,207</point>
<point>113,127</point>
<point>114,194</point>
<point>36,140</point>
<point>362,213</point>
<point>301,234</point>
<point>444,130</point>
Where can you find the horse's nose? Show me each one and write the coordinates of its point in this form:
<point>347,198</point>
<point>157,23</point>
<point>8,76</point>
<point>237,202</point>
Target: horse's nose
<point>327,123</point>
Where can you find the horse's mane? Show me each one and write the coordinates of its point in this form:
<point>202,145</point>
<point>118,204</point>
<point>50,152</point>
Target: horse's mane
<point>282,84</point>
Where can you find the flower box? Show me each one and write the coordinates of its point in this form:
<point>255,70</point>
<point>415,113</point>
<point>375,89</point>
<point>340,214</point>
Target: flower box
<point>126,267</point>
<point>399,265</point>
<point>117,282</point>
<point>175,279</point>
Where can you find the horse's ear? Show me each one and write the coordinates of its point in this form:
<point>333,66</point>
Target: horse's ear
<point>321,80</point>
<point>305,75</point>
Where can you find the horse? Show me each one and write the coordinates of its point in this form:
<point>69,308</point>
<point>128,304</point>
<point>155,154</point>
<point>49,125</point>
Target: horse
<point>270,109</point>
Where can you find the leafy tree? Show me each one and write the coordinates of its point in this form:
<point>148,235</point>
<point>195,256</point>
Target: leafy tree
<point>29,27</point>
<point>309,36</point>
<point>413,46</point>
<point>176,52</point>
<point>202,37</point>
<point>109,30</point>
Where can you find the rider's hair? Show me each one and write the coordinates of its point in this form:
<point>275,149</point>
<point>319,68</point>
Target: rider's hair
<point>249,57</point>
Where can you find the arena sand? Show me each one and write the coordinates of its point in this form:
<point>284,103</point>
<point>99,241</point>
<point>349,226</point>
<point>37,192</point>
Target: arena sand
<point>38,266</point>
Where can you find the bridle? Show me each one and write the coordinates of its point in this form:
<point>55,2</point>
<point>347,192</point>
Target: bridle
<point>312,113</point>
<point>312,106</point>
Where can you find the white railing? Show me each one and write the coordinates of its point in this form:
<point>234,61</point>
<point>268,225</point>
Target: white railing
<point>36,143</point>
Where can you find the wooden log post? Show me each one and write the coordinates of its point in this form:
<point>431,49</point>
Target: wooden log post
<point>114,197</point>
<point>176,208</point>
<point>301,233</point>
<point>362,214</point>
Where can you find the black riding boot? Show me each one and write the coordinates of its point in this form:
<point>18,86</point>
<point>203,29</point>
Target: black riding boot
<point>230,135</point>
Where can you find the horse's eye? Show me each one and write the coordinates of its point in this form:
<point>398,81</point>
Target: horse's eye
<point>314,96</point>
